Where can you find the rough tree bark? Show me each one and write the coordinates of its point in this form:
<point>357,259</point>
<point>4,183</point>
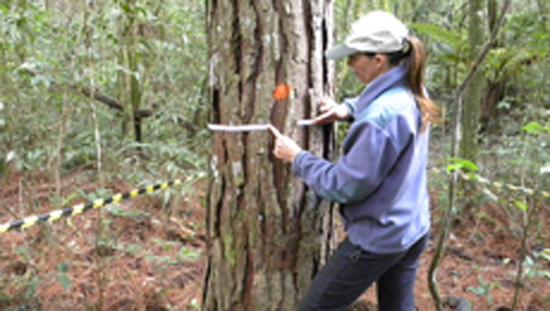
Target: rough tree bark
<point>267,234</point>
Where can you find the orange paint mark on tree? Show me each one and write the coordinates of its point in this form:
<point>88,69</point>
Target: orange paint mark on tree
<point>282,91</point>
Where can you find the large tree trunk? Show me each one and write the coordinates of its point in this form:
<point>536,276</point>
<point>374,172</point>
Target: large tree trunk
<point>267,234</point>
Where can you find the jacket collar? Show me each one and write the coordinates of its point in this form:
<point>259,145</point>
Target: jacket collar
<point>393,77</point>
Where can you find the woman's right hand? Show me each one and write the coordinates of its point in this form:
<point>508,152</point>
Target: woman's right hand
<point>331,112</point>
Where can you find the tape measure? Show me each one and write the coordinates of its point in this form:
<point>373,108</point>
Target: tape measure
<point>84,207</point>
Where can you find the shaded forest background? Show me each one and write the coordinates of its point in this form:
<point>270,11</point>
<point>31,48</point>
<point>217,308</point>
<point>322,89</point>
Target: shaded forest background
<point>98,97</point>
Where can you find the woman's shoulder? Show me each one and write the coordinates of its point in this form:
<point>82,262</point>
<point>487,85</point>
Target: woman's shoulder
<point>388,106</point>
<point>399,96</point>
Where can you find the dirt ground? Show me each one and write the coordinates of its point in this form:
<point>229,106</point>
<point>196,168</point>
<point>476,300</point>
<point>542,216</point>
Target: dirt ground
<point>142,255</point>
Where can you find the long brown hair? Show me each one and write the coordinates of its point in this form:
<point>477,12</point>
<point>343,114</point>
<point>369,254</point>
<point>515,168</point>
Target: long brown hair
<point>414,57</point>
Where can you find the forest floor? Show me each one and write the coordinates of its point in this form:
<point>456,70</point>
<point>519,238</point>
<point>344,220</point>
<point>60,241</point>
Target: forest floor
<point>143,256</point>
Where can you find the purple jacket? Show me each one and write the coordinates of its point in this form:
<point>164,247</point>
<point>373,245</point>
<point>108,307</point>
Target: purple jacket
<point>380,180</point>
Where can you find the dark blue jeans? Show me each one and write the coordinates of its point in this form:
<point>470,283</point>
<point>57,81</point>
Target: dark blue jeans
<point>350,271</point>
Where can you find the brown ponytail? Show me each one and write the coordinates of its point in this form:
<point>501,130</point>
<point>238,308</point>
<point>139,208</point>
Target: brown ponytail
<point>416,65</point>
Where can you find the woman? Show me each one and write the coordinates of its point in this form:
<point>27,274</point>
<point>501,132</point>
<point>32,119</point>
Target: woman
<point>380,180</point>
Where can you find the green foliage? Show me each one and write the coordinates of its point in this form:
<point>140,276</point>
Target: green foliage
<point>73,46</point>
<point>461,164</point>
<point>484,289</point>
<point>534,265</point>
<point>447,43</point>
<point>522,206</point>
<point>31,288</point>
<point>535,128</point>
<point>62,277</point>
<point>115,210</point>
<point>23,250</point>
<point>545,254</point>
<point>527,29</point>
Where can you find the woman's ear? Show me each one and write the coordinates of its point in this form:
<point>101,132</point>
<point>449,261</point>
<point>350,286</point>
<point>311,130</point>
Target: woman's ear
<point>380,60</point>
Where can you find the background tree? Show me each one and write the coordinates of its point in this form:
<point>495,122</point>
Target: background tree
<point>267,234</point>
<point>471,114</point>
<point>129,58</point>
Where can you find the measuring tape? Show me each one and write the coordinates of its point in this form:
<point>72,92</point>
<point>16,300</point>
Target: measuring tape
<point>84,207</point>
<point>500,186</point>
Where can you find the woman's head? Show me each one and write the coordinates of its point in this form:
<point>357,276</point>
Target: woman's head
<point>377,42</point>
<point>375,32</point>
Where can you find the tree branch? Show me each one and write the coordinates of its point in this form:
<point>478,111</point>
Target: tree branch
<point>113,103</point>
<point>102,98</point>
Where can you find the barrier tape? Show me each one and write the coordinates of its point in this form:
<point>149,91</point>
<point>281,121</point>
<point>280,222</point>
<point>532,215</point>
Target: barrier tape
<point>84,207</point>
<point>500,186</point>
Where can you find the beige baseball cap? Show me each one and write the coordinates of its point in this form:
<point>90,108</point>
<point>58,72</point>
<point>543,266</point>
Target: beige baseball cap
<point>375,32</point>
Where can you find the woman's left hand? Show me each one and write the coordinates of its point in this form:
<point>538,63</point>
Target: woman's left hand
<point>285,148</point>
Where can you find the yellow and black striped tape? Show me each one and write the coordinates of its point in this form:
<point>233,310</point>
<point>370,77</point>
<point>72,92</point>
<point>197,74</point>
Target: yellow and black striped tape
<point>497,185</point>
<point>84,207</point>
